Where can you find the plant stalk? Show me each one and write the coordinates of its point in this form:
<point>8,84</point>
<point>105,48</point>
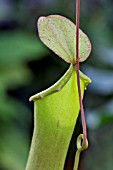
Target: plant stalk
<point>78,74</point>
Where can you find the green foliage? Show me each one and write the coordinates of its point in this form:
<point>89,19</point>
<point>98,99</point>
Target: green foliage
<point>97,21</point>
<point>16,48</point>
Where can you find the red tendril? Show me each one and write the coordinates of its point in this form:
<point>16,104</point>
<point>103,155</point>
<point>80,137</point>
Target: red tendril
<point>77,71</point>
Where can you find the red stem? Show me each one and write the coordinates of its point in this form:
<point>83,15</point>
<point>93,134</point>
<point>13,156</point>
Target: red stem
<point>77,70</point>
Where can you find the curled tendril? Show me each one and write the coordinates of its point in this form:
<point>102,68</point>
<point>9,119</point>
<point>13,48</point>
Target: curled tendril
<point>80,148</point>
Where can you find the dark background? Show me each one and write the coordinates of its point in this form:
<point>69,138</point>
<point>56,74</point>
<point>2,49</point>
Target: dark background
<point>27,67</point>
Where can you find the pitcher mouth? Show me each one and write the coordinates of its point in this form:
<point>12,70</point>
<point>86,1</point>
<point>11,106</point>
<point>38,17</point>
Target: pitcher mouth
<point>60,84</point>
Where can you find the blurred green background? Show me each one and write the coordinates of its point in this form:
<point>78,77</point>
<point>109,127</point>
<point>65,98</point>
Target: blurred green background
<point>27,67</point>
